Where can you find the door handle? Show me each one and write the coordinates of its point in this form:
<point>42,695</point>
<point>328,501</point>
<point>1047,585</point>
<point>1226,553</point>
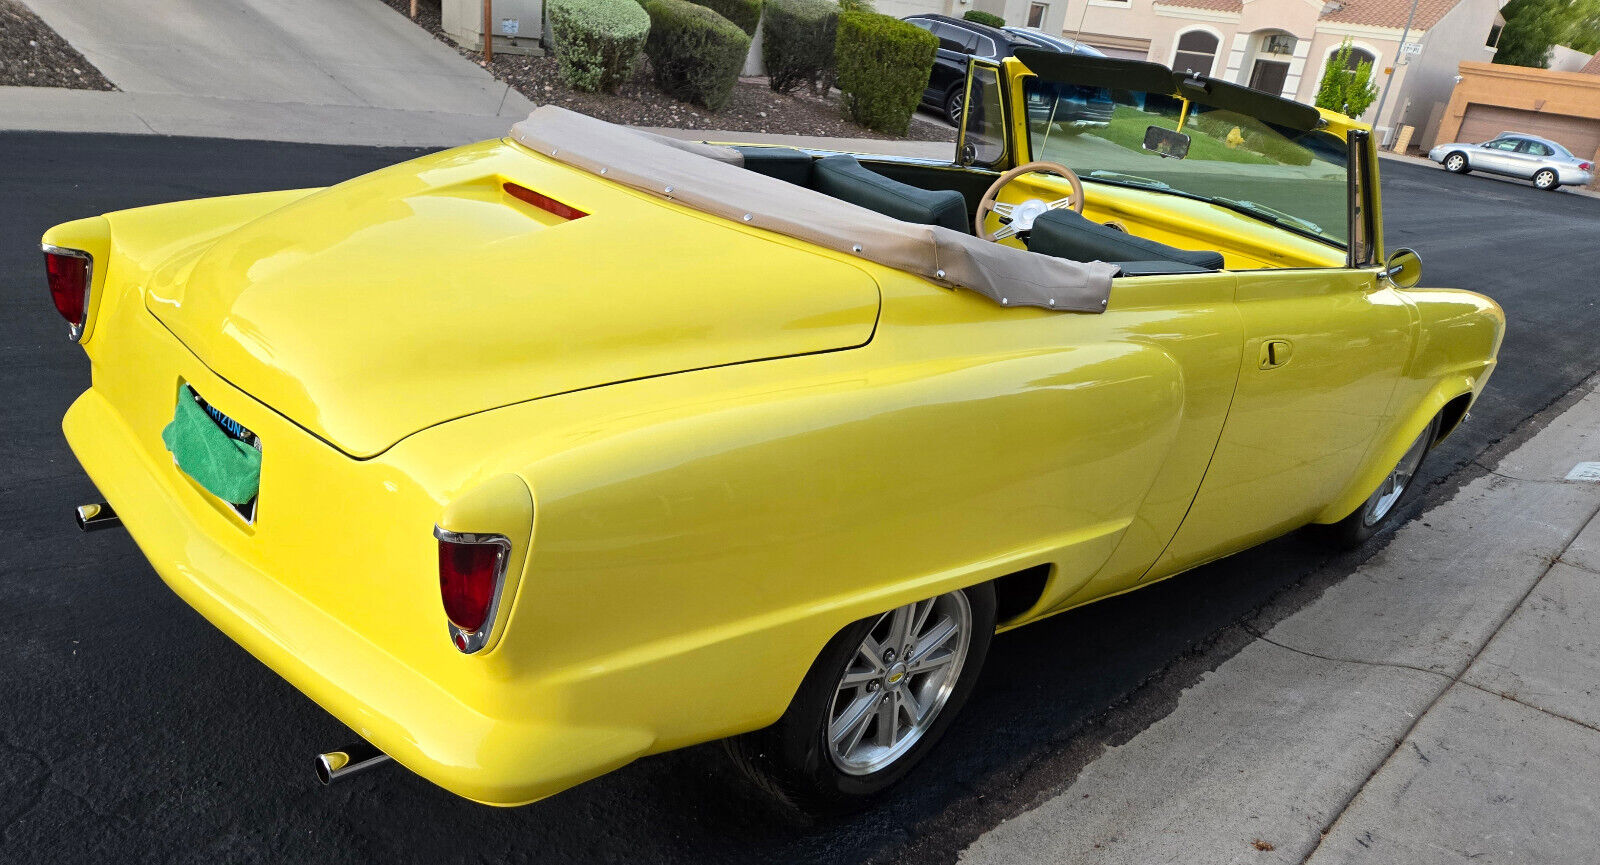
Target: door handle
<point>1275,353</point>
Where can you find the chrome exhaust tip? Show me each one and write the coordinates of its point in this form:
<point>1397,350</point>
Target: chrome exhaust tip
<point>338,765</point>
<point>93,518</point>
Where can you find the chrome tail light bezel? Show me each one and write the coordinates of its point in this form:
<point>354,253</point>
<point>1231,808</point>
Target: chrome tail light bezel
<point>472,642</point>
<point>75,329</point>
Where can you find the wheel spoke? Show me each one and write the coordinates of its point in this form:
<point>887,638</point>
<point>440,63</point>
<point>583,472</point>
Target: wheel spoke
<point>935,638</point>
<point>899,628</point>
<point>931,662</point>
<point>918,620</point>
<point>1060,203</point>
<point>913,708</point>
<point>889,719</point>
<point>852,722</point>
<point>1006,231</point>
<point>857,678</point>
<point>872,650</point>
<point>1004,208</point>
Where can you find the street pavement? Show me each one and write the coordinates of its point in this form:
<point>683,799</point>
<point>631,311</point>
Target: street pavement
<point>329,71</point>
<point>131,729</point>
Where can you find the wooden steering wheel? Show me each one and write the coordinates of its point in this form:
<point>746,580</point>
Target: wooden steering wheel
<point>1022,215</point>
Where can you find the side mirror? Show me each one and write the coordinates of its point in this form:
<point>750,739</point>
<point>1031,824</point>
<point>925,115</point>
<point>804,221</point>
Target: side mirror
<point>1404,268</point>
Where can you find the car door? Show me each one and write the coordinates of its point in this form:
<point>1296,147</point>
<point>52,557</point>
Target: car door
<point>1498,156</point>
<point>1323,351</point>
<point>1532,155</point>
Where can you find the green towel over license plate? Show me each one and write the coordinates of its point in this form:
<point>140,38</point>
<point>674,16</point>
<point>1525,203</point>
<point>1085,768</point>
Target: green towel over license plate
<point>226,467</point>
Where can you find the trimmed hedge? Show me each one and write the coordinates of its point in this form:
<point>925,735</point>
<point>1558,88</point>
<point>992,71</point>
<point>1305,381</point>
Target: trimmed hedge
<point>797,42</point>
<point>597,41</point>
<point>695,53</point>
<point>883,65</point>
<point>979,17</point>
<point>744,13</point>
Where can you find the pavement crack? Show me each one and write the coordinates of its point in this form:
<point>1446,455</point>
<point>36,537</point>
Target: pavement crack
<point>1331,659</point>
<point>1513,698</point>
<point>1405,736</point>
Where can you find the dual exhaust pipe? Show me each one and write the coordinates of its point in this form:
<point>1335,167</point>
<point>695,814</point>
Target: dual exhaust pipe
<point>330,766</point>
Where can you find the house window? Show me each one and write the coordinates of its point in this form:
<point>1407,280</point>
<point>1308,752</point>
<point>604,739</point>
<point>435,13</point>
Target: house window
<point>1197,52</point>
<point>1494,35</point>
<point>1358,57</point>
<point>1036,14</point>
<point>1278,43</point>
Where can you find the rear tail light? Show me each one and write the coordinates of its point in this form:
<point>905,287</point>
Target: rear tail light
<point>69,272</point>
<point>1585,166</point>
<point>472,572</point>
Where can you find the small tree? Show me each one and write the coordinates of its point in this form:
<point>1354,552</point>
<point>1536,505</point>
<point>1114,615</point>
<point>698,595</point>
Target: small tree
<point>1345,90</point>
<point>980,17</point>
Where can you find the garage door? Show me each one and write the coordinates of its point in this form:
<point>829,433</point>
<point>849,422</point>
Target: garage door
<point>1581,135</point>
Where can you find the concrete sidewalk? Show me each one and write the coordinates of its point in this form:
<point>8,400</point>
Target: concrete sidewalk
<point>323,71</point>
<point>1442,704</point>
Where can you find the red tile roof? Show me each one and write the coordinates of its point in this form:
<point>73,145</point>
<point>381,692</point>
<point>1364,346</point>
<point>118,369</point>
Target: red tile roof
<point>1593,66</point>
<point>1211,5</point>
<point>1390,13</point>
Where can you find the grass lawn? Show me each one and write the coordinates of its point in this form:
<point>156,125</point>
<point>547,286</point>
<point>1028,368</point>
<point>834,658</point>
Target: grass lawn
<point>1128,126</point>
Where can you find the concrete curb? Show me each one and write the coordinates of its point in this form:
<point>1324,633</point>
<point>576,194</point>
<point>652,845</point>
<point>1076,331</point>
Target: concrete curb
<point>1411,714</point>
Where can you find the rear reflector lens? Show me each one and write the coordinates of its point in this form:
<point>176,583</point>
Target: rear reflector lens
<point>544,202</point>
<point>468,574</point>
<point>69,284</point>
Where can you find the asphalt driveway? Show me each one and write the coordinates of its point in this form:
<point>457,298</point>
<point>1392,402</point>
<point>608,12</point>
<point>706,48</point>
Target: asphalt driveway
<point>131,730</point>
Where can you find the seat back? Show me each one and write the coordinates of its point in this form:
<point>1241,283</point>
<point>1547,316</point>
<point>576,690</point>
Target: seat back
<point>782,163</point>
<point>1065,234</point>
<point>844,178</point>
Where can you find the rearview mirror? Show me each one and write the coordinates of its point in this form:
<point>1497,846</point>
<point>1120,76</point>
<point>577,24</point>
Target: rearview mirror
<point>1404,268</point>
<point>1166,142</point>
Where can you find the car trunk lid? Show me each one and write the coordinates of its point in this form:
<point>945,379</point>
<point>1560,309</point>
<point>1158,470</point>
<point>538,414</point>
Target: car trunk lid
<point>433,290</point>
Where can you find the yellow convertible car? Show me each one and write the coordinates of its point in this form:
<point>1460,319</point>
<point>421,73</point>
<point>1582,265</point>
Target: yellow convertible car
<point>531,458</point>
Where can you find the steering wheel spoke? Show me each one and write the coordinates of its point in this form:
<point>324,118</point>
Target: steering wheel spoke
<point>1021,216</point>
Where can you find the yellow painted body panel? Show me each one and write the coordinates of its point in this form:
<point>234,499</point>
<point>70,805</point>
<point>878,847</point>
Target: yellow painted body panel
<point>713,498</point>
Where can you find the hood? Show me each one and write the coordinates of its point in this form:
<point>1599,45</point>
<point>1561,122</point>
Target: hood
<point>426,292</point>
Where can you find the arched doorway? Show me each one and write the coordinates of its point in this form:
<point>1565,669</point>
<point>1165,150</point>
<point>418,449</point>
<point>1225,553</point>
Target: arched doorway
<point>1274,51</point>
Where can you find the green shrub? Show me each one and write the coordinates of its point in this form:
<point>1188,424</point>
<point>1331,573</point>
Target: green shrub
<point>695,53</point>
<point>744,13</point>
<point>883,65</point>
<point>597,41</point>
<point>979,17</point>
<point>856,6</point>
<point>797,42</point>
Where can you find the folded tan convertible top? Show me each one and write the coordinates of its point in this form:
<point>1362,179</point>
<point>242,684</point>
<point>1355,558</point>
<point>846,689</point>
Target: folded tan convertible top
<point>711,179</point>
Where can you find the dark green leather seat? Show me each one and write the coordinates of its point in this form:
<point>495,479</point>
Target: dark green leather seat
<point>848,180</point>
<point>1065,234</point>
<point>782,163</point>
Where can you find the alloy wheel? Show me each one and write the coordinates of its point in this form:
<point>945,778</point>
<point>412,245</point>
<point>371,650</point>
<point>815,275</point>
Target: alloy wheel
<point>1394,486</point>
<point>1454,162</point>
<point>897,682</point>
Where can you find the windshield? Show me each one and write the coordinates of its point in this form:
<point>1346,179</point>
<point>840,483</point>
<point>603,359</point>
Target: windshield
<point>1294,180</point>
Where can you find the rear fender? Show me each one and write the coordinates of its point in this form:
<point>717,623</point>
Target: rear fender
<point>129,246</point>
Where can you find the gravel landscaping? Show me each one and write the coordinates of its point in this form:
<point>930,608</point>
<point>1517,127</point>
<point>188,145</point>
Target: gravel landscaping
<point>32,55</point>
<point>753,108</point>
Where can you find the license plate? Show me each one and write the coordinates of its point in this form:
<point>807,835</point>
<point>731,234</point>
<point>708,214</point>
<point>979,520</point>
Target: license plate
<point>234,430</point>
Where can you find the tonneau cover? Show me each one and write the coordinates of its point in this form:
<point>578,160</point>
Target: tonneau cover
<point>710,179</point>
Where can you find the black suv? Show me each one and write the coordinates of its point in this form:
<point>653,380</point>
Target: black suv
<point>960,39</point>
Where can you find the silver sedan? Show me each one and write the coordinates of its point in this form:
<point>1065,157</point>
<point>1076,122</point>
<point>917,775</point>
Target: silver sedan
<point>1516,154</point>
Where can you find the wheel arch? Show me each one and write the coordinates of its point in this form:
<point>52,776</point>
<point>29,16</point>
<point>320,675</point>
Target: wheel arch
<point>1449,400</point>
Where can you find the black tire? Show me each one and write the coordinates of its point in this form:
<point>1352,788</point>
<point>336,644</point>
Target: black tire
<point>1359,527</point>
<point>792,759</point>
<point>1456,163</point>
<point>1547,179</point>
<point>952,104</point>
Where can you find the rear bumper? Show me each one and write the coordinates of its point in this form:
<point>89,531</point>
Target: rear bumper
<point>462,738</point>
